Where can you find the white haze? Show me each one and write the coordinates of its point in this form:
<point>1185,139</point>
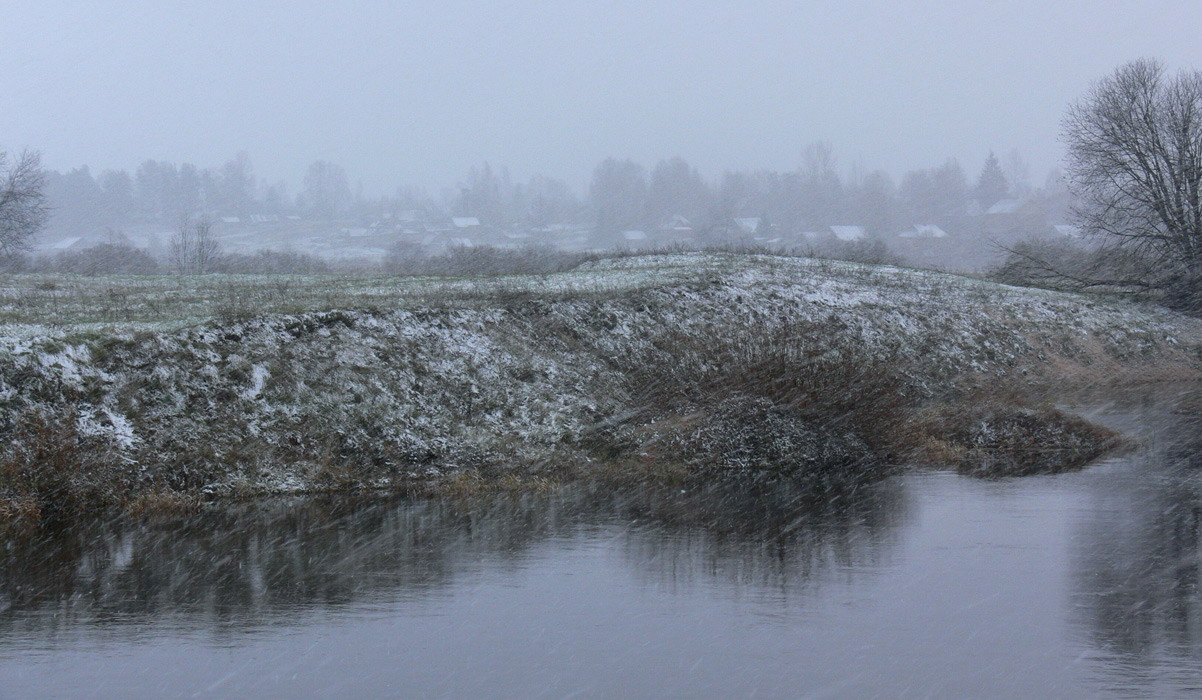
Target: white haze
<point>418,92</point>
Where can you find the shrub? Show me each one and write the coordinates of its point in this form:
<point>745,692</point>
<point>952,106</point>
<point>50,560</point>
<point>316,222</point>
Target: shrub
<point>869,251</point>
<point>51,473</point>
<point>991,438</point>
<point>14,262</point>
<point>106,259</point>
<point>272,262</point>
<point>406,258</point>
<point>780,400</point>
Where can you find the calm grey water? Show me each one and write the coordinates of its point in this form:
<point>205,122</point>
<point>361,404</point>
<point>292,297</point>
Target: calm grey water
<point>927,584</point>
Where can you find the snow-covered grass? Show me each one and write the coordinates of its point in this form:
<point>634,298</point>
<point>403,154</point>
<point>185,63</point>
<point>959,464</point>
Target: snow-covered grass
<point>252,384</point>
<point>31,303</point>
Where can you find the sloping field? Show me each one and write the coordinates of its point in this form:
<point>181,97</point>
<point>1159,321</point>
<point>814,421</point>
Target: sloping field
<point>221,384</point>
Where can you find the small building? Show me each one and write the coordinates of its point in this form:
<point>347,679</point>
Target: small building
<point>923,231</point>
<point>66,243</point>
<point>748,225</point>
<point>848,233</point>
<point>1006,206</point>
<point>678,223</point>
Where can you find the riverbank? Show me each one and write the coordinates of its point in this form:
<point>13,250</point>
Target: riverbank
<point>688,366</point>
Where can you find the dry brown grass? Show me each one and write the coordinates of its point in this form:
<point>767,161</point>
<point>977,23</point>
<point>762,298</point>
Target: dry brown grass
<point>51,473</point>
<point>162,503</point>
<point>784,400</point>
<point>997,438</point>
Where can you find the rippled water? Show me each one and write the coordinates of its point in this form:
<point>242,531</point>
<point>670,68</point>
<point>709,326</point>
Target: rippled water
<point>926,584</point>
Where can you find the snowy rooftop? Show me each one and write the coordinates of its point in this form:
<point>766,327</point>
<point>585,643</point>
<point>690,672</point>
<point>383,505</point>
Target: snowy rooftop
<point>848,233</point>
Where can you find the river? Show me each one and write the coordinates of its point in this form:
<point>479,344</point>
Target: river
<point>924,584</point>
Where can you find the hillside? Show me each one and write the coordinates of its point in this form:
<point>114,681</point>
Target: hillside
<point>249,385</point>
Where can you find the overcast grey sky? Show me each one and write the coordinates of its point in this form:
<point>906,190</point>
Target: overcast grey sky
<point>417,92</point>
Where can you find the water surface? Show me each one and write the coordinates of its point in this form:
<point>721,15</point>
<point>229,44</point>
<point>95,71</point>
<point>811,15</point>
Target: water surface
<point>926,584</point>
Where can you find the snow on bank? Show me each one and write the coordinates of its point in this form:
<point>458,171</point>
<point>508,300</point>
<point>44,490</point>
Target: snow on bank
<point>513,374</point>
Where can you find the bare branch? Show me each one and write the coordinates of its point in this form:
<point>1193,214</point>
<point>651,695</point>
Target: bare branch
<point>1135,163</point>
<point>23,209</point>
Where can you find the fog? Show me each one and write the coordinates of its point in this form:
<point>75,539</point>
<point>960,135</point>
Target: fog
<point>417,93</point>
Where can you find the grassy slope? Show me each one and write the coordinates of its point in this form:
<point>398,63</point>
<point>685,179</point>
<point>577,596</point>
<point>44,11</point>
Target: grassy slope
<point>247,383</point>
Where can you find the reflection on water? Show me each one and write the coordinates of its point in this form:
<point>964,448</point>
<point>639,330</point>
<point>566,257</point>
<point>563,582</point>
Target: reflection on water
<point>925,584</point>
<point>246,564</point>
<point>1137,545</point>
<point>780,541</point>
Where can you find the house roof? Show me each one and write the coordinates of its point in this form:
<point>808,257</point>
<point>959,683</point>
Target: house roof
<point>67,243</point>
<point>848,233</point>
<point>464,221</point>
<point>678,222</point>
<point>1006,206</point>
<point>634,235</point>
<point>749,224</point>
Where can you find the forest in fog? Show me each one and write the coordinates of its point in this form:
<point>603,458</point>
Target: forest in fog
<point>626,204</point>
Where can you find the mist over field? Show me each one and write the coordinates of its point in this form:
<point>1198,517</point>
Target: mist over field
<point>300,126</point>
<point>600,349</point>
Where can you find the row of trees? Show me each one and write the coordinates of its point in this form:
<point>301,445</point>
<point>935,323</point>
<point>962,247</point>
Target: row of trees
<point>816,195</point>
<point>163,191</point>
<point>622,195</point>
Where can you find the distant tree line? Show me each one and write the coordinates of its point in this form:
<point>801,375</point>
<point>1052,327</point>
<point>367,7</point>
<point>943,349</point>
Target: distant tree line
<point>622,195</point>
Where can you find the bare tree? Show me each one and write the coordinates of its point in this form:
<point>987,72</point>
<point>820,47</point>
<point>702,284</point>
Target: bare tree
<point>1135,164</point>
<point>23,207</point>
<point>194,250</point>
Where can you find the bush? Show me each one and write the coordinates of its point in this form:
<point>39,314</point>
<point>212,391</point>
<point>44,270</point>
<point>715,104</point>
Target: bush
<point>106,259</point>
<point>14,262</point>
<point>271,262</point>
<point>1079,267</point>
<point>50,473</point>
<point>869,251</point>
<point>992,439</point>
<point>778,401</point>
<point>405,258</point>
<point>1052,264</point>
